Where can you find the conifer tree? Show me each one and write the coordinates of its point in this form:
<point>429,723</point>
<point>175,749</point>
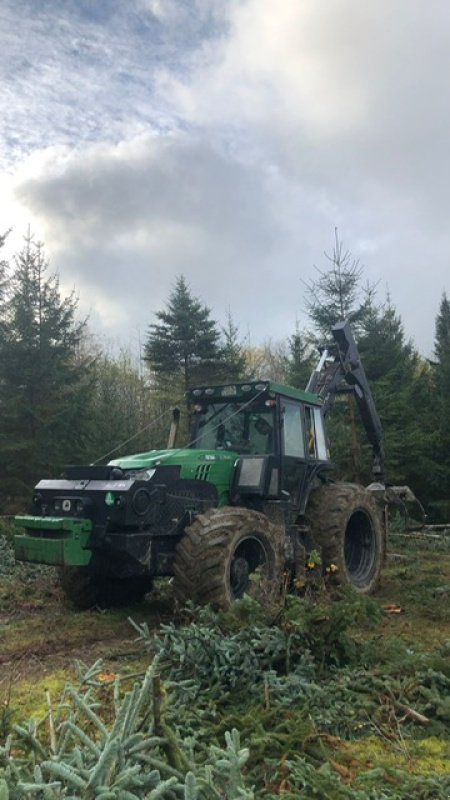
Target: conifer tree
<point>300,360</point>
<point>337,293</point>
<point>233,361</point>
<point>182,348</point>
<point>441,371</point>
<point>399,379</point>
<point>442,336</point>
<point>42,376</point>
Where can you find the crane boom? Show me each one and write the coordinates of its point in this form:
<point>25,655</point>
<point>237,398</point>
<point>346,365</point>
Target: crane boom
<point>340,371</point>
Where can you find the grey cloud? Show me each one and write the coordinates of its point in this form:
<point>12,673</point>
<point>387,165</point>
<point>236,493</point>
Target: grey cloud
<point>270,126</point>
<point>126,222</point>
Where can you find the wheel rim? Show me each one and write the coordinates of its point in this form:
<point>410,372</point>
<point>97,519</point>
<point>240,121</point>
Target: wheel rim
<point>248,557</point>
<point>360,549</point>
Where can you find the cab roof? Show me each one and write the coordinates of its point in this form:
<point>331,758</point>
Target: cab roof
<point>245,390</point>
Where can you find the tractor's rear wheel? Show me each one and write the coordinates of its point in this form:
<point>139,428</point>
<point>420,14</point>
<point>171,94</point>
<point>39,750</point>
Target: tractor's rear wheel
<point>347,525</point>
<point>226,553</point>
<point>85,588</point>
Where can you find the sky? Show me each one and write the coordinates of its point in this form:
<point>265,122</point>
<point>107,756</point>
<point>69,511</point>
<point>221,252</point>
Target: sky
<point>225,140</point>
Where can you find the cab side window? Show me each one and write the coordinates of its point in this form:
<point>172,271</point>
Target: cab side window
<point>321,442</point>
<point>315,434</point>
<point>293,439</point>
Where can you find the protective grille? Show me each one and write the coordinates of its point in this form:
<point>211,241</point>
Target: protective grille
<point>202,472</point>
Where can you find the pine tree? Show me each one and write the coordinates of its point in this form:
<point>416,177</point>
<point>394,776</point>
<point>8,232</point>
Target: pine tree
<point>182,348</point>
<point>441,371</point>
<point>300,360</point>
<point>43,377</point>
<point>442,336</point>
<point>337,293</point>
<point>233,361</point>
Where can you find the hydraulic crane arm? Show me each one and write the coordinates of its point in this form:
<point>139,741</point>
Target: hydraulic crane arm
<point>340,371</point>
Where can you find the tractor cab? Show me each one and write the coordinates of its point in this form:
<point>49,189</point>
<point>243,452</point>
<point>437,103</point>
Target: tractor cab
<point>276,431</point>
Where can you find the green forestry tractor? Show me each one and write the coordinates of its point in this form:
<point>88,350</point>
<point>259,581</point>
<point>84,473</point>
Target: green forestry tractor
<point>245,503</point>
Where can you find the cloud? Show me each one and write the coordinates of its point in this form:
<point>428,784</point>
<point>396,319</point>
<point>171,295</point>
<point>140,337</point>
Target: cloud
<point>345,94</point>
<point>225,140</point>
<point>123,221</point>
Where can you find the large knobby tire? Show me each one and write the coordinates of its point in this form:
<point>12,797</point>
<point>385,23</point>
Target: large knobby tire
<point>86,589</point>
<point>346,524</point>
<point>226,553</point>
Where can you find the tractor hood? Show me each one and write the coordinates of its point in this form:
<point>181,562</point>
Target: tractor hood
<point>212,466</point>
<point>182,458</point>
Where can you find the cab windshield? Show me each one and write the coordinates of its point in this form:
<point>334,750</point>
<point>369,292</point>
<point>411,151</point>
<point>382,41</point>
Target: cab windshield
<point>234,426</point>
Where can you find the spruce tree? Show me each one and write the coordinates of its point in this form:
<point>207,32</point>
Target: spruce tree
<point>182,348</point>
<point>43,378</point>
<point>442,336</point>
<point>300,360</point>
<point>441,370</point>
<point>337,293</point>
<point>232,356</point>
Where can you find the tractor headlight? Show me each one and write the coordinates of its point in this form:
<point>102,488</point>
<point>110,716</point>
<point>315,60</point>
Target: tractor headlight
<point>141,502</point>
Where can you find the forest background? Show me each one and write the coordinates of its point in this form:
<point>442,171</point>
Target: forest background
<point>66,398</point>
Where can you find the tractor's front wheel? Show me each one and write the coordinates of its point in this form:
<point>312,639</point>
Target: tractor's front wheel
<point>347,525</point>
<point>226,553</point>
<point>85,588</point>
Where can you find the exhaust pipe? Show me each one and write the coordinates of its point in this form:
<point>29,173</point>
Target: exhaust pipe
<point>174,425</point>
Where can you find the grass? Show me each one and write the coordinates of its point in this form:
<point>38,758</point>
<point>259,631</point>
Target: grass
<point>403,649</point>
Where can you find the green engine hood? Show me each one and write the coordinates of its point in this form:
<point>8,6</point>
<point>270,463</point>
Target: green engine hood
<point>215,466</point>
<point>155,458</point>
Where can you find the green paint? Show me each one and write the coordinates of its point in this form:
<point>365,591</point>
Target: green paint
<point>69,548</point>
<point>216,467</point>
<point>109,499</point>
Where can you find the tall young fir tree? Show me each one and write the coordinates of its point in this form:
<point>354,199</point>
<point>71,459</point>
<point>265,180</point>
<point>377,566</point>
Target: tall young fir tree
<point>337,293</point>
<point>441,370</point>
<point>232,356</point>
<point>300,362</point>
<point>183,348</point>
<point>42,385</point>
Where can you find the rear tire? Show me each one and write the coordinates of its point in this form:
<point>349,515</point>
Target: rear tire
<point>86,589</point>
<point>226,553</point>
<point>347,525</point>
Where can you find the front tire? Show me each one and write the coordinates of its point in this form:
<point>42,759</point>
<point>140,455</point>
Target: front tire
<point>347,525</point>
<point>226,553</point>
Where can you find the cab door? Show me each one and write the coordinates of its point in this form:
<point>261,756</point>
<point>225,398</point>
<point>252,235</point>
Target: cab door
<point>303,446</point>
<point>293,449</point>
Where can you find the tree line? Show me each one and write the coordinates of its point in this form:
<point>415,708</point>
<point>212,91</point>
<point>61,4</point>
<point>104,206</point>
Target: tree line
<point>65,399</point>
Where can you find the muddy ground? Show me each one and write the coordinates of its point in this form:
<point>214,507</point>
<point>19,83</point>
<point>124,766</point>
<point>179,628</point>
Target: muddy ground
<point>42,638</point>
